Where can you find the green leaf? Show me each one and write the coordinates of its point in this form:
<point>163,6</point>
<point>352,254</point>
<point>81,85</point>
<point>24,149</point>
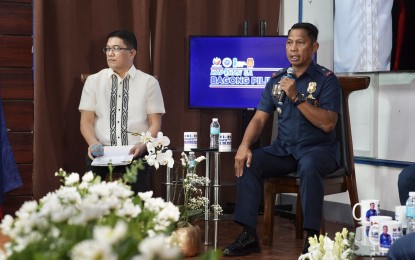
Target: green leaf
<point>211,255</point>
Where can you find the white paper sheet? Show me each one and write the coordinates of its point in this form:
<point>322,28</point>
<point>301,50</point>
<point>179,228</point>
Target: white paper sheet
<point>116,155</point>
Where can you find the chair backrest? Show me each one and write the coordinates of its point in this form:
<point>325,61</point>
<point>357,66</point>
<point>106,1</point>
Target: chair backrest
<point>343,135</point>
<point>343,129</point>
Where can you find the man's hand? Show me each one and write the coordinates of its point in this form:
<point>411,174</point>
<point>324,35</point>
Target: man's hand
<point>288,85</point>
<point>138,150</point>
<point>95,150</point>
<point>243,155</point>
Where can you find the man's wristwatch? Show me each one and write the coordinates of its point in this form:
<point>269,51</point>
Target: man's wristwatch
<point>299,99</point>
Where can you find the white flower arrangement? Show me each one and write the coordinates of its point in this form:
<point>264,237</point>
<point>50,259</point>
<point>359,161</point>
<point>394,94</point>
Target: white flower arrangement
<point>92,219</point>
<point>87,218</point>
<point>323,247</point>
<point>158,153</point>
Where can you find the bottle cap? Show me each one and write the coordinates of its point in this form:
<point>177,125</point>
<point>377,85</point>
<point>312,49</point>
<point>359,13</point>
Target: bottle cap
<point>214,119</point>
<point>411,193</point>
<point>191,152</point>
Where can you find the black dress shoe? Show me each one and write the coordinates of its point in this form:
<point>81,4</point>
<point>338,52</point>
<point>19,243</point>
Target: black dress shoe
<point>310,233</point>
<point>306,246</point>
<point>245,244</point>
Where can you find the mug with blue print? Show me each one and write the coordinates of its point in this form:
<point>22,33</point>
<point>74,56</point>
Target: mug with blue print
<point>368,208</point>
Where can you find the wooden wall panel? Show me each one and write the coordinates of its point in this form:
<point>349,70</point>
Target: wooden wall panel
<point>13,203</point>
<point>22,144</point>
<point>15,19</point>
<point>19,115</point>
<point>18,1</point>
<point>26,172</point>
<point>16,51</point>
<point>17,92</point>
<point>16,83</point>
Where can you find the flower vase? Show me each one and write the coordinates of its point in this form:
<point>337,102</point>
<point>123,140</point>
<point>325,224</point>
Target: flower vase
<point>188,239</point>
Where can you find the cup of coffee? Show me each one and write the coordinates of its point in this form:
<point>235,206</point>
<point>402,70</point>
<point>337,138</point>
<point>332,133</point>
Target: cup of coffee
<point>190,141</point>
<point>389,231</point>
<point>368,208</point>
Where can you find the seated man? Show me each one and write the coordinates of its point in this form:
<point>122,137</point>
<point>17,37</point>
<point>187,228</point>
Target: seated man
<point>118,104</point>
<point>406,183</point>
<point>403,248</point>
<point>306,141</point>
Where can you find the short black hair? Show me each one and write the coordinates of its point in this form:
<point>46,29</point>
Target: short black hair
<point>127,36</point>
<point>311,29</point>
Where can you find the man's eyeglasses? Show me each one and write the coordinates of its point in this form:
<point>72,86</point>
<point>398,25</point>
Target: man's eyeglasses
<point>115,49</point>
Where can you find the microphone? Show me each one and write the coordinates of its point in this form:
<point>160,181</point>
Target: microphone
<point>290,74</point>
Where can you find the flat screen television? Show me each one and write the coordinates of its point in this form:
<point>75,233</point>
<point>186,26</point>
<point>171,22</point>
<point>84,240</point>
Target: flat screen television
<point>230,72</point>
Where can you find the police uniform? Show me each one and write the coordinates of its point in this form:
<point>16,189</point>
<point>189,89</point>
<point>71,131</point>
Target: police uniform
<point>385,240</point>
<point>370,213</point>
<point>406,182</point>
<point>403,248</point>
<point>300,146</point>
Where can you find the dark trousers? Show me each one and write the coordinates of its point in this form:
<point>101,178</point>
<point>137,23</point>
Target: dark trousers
<point>143,176</point>
<point>406,183</point>
<point>311,168</point>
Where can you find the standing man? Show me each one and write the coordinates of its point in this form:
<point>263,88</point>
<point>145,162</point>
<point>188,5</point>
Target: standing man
<point>119,103</point>
<point>306,141</point>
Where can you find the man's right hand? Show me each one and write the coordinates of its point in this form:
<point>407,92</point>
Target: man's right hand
<point>243,155</point>
<point>95,150</point>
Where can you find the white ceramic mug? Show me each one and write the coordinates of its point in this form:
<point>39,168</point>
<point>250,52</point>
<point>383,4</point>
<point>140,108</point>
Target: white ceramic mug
<point>362,234</point>
<point>368,208</point>
<point>374,233</point>
<point>225,142</point>
<point>389,231</point>
<point>190,141</point>
<point>400,215</point>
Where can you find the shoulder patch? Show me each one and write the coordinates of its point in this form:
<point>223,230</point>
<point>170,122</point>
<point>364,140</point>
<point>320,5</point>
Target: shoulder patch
<point>326,72</point>
<point>278,73</point>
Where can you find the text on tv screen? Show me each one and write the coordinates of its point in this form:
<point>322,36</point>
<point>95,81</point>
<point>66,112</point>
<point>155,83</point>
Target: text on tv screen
<point>230,72</point>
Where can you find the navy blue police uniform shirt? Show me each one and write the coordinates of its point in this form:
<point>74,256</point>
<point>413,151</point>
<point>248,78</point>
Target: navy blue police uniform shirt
<point>296,135</point>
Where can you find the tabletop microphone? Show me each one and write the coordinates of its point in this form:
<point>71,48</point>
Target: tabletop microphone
<point>290,74</point>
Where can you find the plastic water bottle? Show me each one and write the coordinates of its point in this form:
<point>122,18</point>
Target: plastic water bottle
<point>410,213</point>
<point>191,163</point>
<point>214,133</point>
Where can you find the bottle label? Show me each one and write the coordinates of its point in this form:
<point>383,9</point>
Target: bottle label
<point>410,212</point>
<point>214,130</point>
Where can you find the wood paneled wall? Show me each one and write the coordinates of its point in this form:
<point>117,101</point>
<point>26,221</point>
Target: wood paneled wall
<point>16,91</point>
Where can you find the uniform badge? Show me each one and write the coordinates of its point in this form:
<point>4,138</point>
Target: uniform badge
<point>276,91</point>
<point>311,89</point>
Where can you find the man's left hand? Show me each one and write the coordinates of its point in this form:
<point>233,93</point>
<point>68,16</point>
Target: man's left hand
<point>138,150</point>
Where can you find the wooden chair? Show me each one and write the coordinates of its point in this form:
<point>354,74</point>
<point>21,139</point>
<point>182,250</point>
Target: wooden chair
<point>83,77</point>
<point>342,180</point>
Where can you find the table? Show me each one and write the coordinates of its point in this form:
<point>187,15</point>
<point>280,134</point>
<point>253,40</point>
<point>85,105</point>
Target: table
<point>214,177</point>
